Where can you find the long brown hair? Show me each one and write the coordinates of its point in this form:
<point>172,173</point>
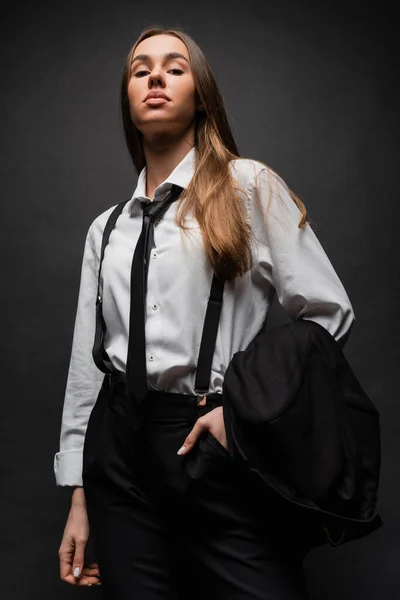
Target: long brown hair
<point>211,195</point>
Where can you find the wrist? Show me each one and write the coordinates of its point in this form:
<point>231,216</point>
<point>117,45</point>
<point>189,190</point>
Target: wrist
<point>78,496</point>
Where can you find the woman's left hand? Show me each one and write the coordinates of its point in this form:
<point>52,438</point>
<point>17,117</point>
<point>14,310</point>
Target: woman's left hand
<point>212,421</point>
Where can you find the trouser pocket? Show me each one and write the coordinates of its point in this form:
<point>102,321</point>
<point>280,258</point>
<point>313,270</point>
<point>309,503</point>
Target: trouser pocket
<point>207,454</point>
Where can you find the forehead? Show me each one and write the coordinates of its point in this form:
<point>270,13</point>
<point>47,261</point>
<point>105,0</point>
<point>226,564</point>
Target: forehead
<point>157,45</point>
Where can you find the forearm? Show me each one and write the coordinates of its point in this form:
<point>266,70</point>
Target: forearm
<point>78,496</point>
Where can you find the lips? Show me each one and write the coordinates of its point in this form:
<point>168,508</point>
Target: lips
<point>156,95</point>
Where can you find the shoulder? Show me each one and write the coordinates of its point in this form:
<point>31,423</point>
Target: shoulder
<point>254,173</point>
<point>268,196</point>
<point>98,224</point>
<point>96,228</point>
<point>245,169</point>
<point>264,188</point>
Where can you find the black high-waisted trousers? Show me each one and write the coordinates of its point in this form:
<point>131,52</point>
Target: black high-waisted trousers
<point>179,527</point>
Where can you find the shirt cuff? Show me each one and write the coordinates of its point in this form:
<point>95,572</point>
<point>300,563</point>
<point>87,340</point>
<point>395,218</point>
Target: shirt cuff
<point>68,467</point>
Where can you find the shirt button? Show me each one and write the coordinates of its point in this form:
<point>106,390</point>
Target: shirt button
<point>155,306</point>
<point>151,357</point>
<point>154,255</point>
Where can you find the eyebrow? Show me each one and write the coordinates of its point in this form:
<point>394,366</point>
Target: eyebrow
<point>168,56</point>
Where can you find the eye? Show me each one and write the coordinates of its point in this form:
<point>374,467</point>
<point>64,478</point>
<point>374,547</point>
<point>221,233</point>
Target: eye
<point>138,74</point>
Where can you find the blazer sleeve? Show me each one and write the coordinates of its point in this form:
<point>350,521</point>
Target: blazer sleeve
<point>84,379</point>
<point>294,261</point>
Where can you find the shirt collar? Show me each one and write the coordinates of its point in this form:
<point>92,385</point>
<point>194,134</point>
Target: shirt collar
<point>181,175</point>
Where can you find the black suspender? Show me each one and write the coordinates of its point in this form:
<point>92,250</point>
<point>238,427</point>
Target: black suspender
<point>99,354</point>
<point>209,336</point>
<point>210,327</point>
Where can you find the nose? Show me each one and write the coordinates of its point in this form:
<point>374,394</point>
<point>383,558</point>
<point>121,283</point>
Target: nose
<point>155,77</point>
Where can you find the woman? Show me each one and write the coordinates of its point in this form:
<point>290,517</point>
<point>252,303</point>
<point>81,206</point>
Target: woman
<point>172,514</point>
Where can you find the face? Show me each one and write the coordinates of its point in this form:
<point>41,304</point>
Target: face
<point>172,76</point>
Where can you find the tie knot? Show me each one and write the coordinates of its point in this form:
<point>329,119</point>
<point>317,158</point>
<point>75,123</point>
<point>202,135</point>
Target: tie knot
<point>158,207</point>
<point>149,208</point>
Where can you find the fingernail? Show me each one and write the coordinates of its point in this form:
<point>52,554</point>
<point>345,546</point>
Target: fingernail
<point>76,571</point>
<point>181,450</point>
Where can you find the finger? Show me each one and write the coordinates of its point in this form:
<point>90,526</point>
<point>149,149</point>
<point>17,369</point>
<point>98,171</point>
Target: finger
<point>89,575</point>
<point>89,581</point>
<point>90,570</point>
<point>217,426</point>
<point>79,558</point>
<point>65,564</point>
<point>82,581</point>
<point>199,427</point>
<point>91,566</point>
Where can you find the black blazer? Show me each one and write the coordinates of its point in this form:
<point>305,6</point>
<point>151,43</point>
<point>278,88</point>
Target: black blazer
<point>296,414</point>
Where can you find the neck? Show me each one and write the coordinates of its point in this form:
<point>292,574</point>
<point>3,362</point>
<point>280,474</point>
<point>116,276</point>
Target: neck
<point>161,160</point>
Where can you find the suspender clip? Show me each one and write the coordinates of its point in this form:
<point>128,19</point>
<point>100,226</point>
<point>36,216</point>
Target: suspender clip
<point>201,397</point>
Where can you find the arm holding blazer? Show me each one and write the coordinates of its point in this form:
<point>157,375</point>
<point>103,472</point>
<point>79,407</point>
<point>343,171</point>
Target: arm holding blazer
<point>294,412</point>
<point>294,261</point>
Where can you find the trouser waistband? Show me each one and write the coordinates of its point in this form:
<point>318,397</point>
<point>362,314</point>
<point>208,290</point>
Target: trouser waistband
<point>164,403</point>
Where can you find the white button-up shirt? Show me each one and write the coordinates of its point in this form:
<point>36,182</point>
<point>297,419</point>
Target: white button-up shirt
<point>287,261</point>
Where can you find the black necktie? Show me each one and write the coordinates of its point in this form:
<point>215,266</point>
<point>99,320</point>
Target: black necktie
<point>136,374</point>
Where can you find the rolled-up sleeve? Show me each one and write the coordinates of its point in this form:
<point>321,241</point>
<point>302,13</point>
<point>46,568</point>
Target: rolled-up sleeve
<point>84,378</point>
<point>294,261</point>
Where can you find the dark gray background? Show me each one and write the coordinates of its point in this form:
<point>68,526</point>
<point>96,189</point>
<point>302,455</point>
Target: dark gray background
<point>311,89</point>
